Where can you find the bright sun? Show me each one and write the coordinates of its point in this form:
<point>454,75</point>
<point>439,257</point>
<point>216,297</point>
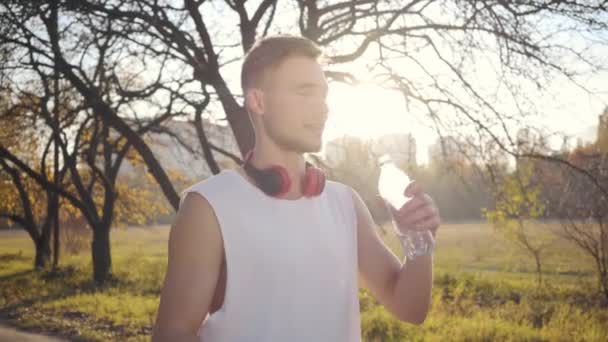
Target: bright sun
<point>368,111</point>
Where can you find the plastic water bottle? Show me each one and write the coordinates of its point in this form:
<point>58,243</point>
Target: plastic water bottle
<point>391,186</point>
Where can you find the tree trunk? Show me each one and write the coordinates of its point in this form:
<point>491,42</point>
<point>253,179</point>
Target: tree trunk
<point>56,243</point>
<point>202,137</point>
<point>107,113</point>
<point>43,252</point>
<point>237,116</point>
<point>243,131</point>
<point>538,268</point>
<point>604,284</point>
<point>102,259</point>
<point>55,196</point>
<point>603,280</point>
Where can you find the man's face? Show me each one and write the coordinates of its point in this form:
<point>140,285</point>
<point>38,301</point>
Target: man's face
<point>295,95</point>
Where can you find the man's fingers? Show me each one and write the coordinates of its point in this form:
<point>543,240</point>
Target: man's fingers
<point>415,203</point>
<point>413,189</point>
<point>423,213</point>
<point>430,223</point>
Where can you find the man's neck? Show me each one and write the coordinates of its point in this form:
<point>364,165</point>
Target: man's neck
<point>293,162</point>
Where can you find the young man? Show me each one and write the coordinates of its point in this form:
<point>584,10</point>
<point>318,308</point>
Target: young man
<point>245,265</point>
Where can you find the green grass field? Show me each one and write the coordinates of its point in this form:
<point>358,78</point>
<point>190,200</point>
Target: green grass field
<point>485,290</point>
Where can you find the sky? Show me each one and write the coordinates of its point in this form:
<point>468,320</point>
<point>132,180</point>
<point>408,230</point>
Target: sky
<point>562,108</point>
<point>369,111</point>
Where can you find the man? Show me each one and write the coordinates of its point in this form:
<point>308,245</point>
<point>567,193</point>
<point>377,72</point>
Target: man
<point>246,265</point>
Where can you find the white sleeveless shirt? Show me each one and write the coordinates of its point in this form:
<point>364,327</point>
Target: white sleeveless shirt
<point>291,265</point>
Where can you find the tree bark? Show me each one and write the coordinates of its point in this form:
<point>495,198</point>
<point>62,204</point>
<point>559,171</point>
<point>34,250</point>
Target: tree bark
<point>202,137</point>
<point>43,252</point>
<point>604,281</point>
<point>538,268</point>
<point>237,116</point>
<point>102,259</point>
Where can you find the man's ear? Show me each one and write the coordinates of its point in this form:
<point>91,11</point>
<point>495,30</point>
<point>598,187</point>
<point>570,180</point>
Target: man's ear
<point>254,100</point>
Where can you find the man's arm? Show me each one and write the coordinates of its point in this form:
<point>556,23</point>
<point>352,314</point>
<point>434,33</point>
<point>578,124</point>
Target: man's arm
<point>404,289</point>
<point>194,262</point>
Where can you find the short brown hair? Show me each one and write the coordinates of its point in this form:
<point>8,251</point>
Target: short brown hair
<point>270,52</point>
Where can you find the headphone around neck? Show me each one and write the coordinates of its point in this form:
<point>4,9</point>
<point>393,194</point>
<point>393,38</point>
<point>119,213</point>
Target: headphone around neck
<point>274,181</point>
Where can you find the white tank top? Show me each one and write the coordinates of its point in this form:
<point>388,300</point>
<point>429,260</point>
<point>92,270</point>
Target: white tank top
<point>291,265</point>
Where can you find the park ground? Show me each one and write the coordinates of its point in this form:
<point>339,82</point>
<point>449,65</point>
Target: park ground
<point>485,289</point>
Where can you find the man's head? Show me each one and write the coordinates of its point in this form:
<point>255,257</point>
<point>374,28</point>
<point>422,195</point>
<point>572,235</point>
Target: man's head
<point>285,92</point>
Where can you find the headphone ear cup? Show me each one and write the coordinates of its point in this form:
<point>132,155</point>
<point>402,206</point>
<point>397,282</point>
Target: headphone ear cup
<point>314,182</point>
<point>311,182</point>
<point>279,181</point>
<point>321,184</point>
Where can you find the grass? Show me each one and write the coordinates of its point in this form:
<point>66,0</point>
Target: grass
<point>485,290</point>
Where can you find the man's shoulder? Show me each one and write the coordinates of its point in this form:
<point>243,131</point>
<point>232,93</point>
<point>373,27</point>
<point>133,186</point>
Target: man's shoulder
<point>341,192</point>
<point>339,186</point>
<point>222,178</point>
<point>211,186</point>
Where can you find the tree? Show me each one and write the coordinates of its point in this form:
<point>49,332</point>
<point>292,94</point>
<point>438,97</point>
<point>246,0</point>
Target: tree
<point>459,177</point>
<point>523,46</point>
<point>583,209</point>
<point>90,153</point>
<point>430,51</point>
<point>353,162</point>
<point>455,38</point>
<point>91,158</point>
<point>25,202</point>
<point>139,200</point>
<point>110,89</point>
<point>519,206</point>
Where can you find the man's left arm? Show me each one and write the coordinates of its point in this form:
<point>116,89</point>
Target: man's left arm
<point>403,288</point>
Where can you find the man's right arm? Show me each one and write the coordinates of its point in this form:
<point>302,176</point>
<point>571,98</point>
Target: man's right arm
<point>194,262</point>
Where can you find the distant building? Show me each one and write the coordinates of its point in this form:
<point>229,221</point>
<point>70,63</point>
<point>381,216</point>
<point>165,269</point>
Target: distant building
<point>401,147</point>
<point>188,161</point>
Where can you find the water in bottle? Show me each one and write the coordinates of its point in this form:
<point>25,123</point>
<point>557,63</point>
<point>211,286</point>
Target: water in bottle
<point>391,186</point>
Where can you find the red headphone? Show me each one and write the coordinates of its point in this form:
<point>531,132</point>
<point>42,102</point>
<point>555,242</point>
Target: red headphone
<point>275,181</point>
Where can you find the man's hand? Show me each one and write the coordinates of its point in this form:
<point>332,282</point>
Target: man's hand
<point>419,213</point>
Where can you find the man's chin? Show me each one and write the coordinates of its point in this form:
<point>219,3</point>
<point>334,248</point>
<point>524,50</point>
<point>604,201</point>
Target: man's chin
<point>308,148</point>
<point>302,146</point>
<point>314,148</point>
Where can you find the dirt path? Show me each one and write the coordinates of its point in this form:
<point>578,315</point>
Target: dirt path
<point>8,333</point>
